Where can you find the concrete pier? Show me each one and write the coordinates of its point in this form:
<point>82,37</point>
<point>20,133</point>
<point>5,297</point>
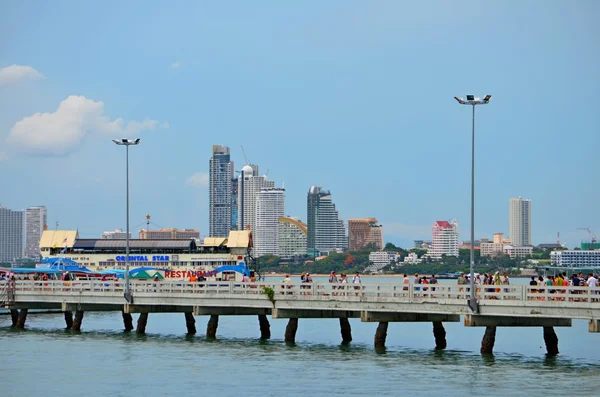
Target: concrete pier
<point>78,320</point>
<point>439,333</point>
<point>290,330</point>
<point>127,321</point>
<point>141,323</point>
<point>265,327</point>
<point>551,341</point>
<point>211,327</point>
<point>346,330</point>
<point>489,338</point>
<point>21,318</point>
<point>14,316</point>
<point>68,319</point>
<point>190,323</point>
<point>381,334</point>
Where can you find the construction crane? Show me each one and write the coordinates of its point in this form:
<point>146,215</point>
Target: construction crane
<point>244,153</point>
<point>592,236</point>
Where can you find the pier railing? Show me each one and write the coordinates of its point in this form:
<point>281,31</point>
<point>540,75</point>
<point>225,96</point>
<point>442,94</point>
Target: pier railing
<point>380,292</point>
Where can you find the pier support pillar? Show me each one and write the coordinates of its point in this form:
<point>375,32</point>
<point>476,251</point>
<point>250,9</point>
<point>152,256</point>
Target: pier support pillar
<point>265,327</point>
<point>14,316</point>
<point>489,338</point>
<point>594,326</point>
<point>141,323</point>
<point>346,330</point>
<point>21,318</point>
<point>290,330</point>
<point>381,334</point>
<point>127,321</point>
<point>190,323</point>
<point>551,341</point>
<point>77,320</point>
<point>68,319</point>
<point>213,324</point>
<point>439,333</point>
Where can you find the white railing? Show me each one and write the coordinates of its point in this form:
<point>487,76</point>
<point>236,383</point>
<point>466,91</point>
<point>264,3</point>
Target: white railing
<point>385,292</point>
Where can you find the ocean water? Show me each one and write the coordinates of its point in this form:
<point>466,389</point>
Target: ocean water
<point>102,360</point>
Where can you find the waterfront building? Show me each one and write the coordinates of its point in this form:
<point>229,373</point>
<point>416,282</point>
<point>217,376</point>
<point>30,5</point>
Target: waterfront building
<point>575,258</point>
<point>422,244</point>
<point>11,234</point>
<point>364,231</point>
<point>326,231</point>
<point>35,221</point>
<point>444,239</point>
<point>168,234</point>
<point>172,258</point>
<point>517,252</point>
<point>382,258</point>
<point>249,186</point>
<point>496,247</point>
<point>117,234</point>
<point>220,177</point>
<point>519,221</point>
<point>412,259</point>
<point>291,237</point>
<point>270,206</point>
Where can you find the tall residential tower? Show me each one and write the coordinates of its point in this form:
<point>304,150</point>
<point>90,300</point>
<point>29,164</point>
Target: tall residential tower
<point>519,221</point>
<point>35,220</point>
<point>11,234</point>
<point>270,206</point>
<point>249,186</point>
<point>221,175</point>
<point>326,231</point>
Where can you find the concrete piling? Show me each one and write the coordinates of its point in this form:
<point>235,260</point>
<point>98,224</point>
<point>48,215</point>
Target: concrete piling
<point>381,334</point>
<point>68,319</point>
<point>551,341</point>
<point>265,327</point>
<point>77,320</point>
<point>290,330</point>
<point>489,338</point>
<point>190,323</point>
<point>14,316</point>
<point>439,333</point>
<point>127,321</point>
<point>141,323</point>
<point>21,318</point>
<point>346,330</point>
<point>213,324</point>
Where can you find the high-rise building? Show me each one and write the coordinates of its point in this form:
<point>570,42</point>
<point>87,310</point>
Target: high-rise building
<point>291,237</point>
<point>168,234</point>
<point>35,220</point>
<point>249,186</point>
<point>364,231</point>
<point>444,239</point>
<point>519,221</point>
<point>117,234</point>
<point>221,175</point>
<point>326,231</point>
<point>270,206</point>
<point>234,203</point>
<point>11,234</point>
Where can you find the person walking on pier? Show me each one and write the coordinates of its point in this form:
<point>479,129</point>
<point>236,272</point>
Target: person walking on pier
<point>356,281</point>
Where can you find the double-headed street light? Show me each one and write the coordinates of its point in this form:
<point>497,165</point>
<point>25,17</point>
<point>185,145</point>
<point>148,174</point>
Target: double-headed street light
<point>127,143</point>
<point>472,101</point>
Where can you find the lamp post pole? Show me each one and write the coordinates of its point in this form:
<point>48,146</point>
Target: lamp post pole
<point>471,100</point>
<point>127,143</point>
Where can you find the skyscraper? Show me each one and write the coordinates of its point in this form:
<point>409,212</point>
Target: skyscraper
<point>291,237</point>
<point>35,220</point>
<point>364,231</point>
<point>519,221</point>
<point>444,239</point>
<point>11,234</point>
<point>249,186</point>
<point>221,175</point>
<point>234,203</point>
<point>326,230</point>
<point>270,206</point>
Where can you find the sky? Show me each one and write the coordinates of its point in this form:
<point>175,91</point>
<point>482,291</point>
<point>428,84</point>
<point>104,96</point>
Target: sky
<point>353,96</point>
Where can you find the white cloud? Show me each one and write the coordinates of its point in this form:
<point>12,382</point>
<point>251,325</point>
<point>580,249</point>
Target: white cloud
<point>199,179</point>
<point>61,132</point>
<point>176,65</point>
<point>13,73</point>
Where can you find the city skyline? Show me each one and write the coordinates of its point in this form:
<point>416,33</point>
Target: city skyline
<point>330,95</point>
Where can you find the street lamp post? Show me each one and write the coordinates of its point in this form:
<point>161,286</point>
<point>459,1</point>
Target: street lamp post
<point>472,101</point>
<point>127,143</point>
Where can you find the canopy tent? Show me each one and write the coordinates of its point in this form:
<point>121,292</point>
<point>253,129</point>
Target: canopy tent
<point>157,274</point>
<point>63,265</point>
<point>141,275</point>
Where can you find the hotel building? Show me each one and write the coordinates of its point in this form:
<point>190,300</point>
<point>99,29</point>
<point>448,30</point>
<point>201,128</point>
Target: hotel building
<point>364,231</point>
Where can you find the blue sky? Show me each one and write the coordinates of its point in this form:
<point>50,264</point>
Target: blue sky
<point>353,96</point>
